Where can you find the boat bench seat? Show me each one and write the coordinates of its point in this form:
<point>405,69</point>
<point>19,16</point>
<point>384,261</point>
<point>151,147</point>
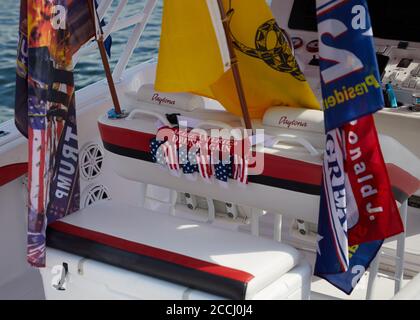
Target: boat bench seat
<point>193,255</point>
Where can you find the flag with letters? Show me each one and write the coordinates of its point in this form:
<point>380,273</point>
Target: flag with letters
<point>50,33</point>
<point>349,70</point>
<point>357,207</point>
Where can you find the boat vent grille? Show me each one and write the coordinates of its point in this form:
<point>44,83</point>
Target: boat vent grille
<point>91,161</point>
<point>94,194</point>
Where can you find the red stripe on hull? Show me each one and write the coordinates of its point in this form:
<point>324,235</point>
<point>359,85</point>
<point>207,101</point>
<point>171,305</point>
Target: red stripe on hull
<point>126,138</point>
<point>292,170</point>
<point>12,172</point>
<point>402,180</point>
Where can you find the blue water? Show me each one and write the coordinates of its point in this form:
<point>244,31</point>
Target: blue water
<point>89,68</point>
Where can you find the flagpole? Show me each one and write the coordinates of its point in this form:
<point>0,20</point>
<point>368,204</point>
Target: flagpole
<point>105,62</point>
<point>235,68</point>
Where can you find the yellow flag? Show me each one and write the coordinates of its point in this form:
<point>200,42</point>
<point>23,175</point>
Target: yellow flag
<point>192,56</point>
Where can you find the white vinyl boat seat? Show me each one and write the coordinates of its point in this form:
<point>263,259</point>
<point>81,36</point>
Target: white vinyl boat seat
<point>290,182</point>
<point>221,262</point>
<point>278,188</point>
<point>179,101</point>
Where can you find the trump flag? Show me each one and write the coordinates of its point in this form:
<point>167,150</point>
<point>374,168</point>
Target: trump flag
<point>50,33</point>
<point>357,209</point>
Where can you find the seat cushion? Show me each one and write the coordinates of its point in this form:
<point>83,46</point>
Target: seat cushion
<point>181,101</point>
<point>221,262</point>
<point>295,119</point>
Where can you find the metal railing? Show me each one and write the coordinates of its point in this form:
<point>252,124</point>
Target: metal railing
<point>117,23</point>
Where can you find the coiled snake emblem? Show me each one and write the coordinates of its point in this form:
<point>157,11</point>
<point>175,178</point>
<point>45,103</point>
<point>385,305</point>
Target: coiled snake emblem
<point>279,58</point>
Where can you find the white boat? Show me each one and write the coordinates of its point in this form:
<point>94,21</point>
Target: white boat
<point>143,233</point>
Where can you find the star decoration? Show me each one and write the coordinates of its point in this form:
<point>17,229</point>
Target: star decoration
<point>318,239</point>
<point>223,171</point>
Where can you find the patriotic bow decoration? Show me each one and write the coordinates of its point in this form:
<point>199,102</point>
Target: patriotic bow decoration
<point>191,159</point>
<point>204,165</point>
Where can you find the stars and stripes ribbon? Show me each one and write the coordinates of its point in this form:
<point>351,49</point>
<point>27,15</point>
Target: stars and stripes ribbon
<point>165,154</point>
<point>240,169</point>
<point>192,160</point>
<point>223,170</point>
<point>204,166</point>
<point>170,153</point>
<point>187,166</point>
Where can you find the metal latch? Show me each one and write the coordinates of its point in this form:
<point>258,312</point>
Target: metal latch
<point>63,279</point>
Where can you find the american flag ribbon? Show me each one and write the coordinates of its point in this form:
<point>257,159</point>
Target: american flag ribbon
<point>204,166</point>
<point>196,158</point>
<point>171,156</point>
<point>235,167</point>
<point>240,169</point>
<point>223,170</point>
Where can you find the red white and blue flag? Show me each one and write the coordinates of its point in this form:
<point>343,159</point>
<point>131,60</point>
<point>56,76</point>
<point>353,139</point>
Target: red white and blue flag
<point>170,152</point>
<point>50,33</point>
<point>240,168</point>
<point>357,209</point>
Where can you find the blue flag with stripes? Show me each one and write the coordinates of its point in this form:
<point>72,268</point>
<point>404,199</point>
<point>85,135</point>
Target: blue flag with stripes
<point>351,90</point>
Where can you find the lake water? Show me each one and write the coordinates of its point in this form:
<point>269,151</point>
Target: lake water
<point>89,69</point>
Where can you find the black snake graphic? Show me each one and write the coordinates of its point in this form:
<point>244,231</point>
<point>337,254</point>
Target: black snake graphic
<point>279,58</point>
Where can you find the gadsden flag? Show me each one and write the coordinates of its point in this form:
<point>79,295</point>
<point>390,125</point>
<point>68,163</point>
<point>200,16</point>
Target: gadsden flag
<point>193,56</point>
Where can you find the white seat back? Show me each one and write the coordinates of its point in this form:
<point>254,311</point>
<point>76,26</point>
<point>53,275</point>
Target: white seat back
<point>181,101</point>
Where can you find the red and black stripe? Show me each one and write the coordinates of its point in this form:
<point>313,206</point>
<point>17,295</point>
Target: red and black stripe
<point>403,184</point>
<point>279,172</point>
<point>137,257</point>
<point>11,172</point>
